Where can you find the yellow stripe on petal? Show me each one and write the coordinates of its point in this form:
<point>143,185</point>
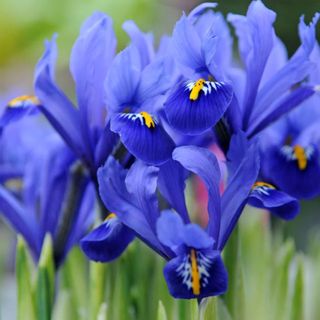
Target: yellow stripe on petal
<point>301,156</point>
<point>263,184</point>
<point>195,91</point>
<point>195,281</point>
<point>110,216</point>
<point>148,120</point>
<point>22,100</point>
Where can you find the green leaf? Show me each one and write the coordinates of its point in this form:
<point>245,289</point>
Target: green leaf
<point>45,281</point>
<point>26,302</point>
<point>297,305</point>
<point>63,306</point>
<point>161,315</point>
<point>208,309</point>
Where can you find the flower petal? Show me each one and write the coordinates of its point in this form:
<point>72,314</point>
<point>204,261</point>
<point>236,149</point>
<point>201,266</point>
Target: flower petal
<point>266,196</point>
<point>90,59</point>
<point>196,274</point>
<point>143,137</point>
<point>123,79</point>
<point>203,163</point>
<point>107,242</point>
<point>196,106</point>
<point>18,108</point>
<point>58,109</point>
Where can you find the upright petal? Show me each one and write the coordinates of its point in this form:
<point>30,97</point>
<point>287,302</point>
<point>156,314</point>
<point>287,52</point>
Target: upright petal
<point>117,199</point>
<point>187,45</point>
<point>123,79</point>
<point>171,182</point>
<point>256,34</point>
<point>142,41</point>
<point>203,163</point>
<point>236,195</point>
<point>90,59</point>
<point>58,109</point>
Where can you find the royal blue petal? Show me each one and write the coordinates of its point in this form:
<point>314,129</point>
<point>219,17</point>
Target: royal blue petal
<point>58,109</point>
<point>204,164</point>
<point>142,41</point>
<point>90,59</point>
<point>117,199</point>
<point>187,44</point>
<point>18,108</point>
<point>170,229</point>
<point>143,137</point>
<point>122,80</point>
<point>236,194</point>
<point>107,242</point>
<point>281,167</point>
<point>195,115</point>
<point>213,277</point>
<point>22,221</point>
<point>255,33</point>
<point>280,108</point>
<point>171,182</point>
<point>266,196</point>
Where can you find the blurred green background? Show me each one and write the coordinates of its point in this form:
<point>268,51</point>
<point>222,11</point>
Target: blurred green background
<point>24,24</point>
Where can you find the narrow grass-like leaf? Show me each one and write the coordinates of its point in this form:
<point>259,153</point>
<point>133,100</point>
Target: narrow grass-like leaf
<point>26,302</point>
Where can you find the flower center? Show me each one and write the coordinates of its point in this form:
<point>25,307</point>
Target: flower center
<point>301,157</point>
<point>195,91</point>
<point>148,120</point>
<point>195,273</point>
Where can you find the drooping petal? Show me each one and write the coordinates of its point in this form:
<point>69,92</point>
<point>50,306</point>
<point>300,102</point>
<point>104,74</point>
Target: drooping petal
<point>142,41</point>
<point>107,242</point>
<point>236,194</point>
<point>204,164</point>
<point>117,199</point>
<point>196,106</point>
<point>266,196</point>
<point>90,59</point>
<point>123,79</point>
<point>196,274</point>
<point>18,108</point>
<point>143,136</point>
<point>58,109</point>
<point>171,182</point>
<point>294,170</point>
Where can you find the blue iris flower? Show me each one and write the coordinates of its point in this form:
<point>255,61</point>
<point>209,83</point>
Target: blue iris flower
<point>37,206</point>
<point>85,129</point>
<point>264,194</point>
<point>290,148</point>
<point>195,268</point>
<point>271,84</point>
<point>200,99</point>
<point>135,89</point>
